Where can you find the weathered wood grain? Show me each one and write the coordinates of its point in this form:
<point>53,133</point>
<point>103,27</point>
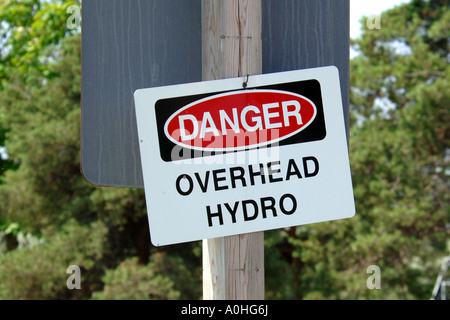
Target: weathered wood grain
<point>233,267</point>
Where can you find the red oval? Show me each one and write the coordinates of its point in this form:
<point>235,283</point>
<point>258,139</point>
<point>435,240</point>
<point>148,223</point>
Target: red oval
<point>239,120</point>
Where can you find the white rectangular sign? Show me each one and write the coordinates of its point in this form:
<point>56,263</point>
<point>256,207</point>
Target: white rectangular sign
<point>219,159</point>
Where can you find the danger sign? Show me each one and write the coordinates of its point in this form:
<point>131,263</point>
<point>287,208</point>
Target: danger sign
<point>219,159</point>
<point>220,123</point>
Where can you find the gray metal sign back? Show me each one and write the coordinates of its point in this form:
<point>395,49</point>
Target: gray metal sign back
<point>304,34</point>
<point>129,45</point>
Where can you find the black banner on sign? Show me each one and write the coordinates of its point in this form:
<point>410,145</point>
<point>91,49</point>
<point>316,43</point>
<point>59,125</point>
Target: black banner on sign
<point>315,130</point>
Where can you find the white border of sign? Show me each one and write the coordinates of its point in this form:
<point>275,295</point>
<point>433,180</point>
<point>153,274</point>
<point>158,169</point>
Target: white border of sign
<point>174,218</point>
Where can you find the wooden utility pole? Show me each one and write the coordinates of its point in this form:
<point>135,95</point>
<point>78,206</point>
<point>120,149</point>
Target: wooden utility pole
<point>233,267</point>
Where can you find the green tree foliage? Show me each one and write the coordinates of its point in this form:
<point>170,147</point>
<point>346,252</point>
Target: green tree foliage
<point>165,277</point>
<point>399,144</point>
<point>40,113</point>
<point>399,152</point>
<point>5,162</point>
<point>39,272</point>
<point>29,33</point>
<point>30,29</point>
<point>131,281</point>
